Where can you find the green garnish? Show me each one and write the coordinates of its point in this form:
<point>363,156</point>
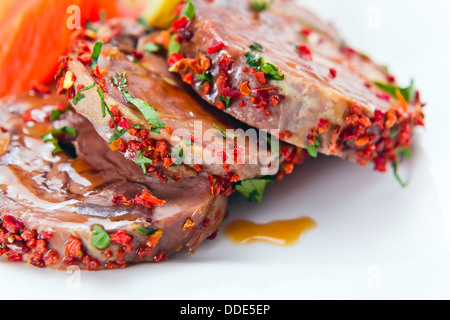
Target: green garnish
<point>50,137</point>
<point>144,23</point>
<point>117,135</point>
<point>225,101</point>
<point>408,93</point>
<point>123,80</point>
<point>78,97</point>
<point>312,149</point>
<point>222,131</point>
<point>100,238</point>
<point>204,77</point>
<point>188,11</point>
<point>257,47</point>
<point>143,161</point>
<point>152,47</point>
<point>260,5</point>
<point>146,232</point>
<point>397,176</point>
<point>179,154</point>
<point>174,45</point>
<point>88,87</point>
<point>253,189</point>
<point>96,53</point>
<point>146,109</point>
<point>258,63</point>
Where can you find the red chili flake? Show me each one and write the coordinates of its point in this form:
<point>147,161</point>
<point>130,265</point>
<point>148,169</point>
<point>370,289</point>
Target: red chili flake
<point>179,24</point>
<point>206,88</point>
<point>225,64</point>
<point>334,145</point>
<point>206,223</point>
<point>123,147</point>
<point>134,146</point>
<point>380,164</point>
<point>143,133</point>
<point>215,47</point>
<point>93,265</point>
<point>390,78</point>
<point>347,50</point>
<point>242,104</point>
<point>142,252</point>
<point>41,246</point>
<point>27,117</point>
<point>148,200</point>
<point>174,58</point>
<point>189,225</point>
<point>115,111</point>
<point>154,238</point>
<point>197,168</point>
<point>305,52</point>
<point>28,235</point>
<point>14,256</point>
<point>235,178</point>
<point>226,167</point>
<point>123,239</point>
<point>188,78</point>
<point>111,122</point>
<point>333,73</point>
<point>74,248</point>
<point>162,147</point>
<point>169,128</point>
<point>12,224</point>
<point>41,89</point>
<point>160,256</point>
<point>383,96</point>
<point>124,123</point>
<point>168,162</point>
<point>51,257</point>
<point>213,236</point>
<point>222,155</point>
<point>100,80</point>
<point>137,55</point>
<point>260,77</point>
<point>306,31</point>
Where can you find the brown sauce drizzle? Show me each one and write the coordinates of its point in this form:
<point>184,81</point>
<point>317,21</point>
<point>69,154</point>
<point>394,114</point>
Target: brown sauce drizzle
<point>280,233</point>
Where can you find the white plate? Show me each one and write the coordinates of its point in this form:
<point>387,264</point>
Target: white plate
<point>374,240</point>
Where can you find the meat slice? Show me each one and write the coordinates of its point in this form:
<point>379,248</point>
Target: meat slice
<point>283,68</point>
<point>87,205</point>
<point>129,82</point>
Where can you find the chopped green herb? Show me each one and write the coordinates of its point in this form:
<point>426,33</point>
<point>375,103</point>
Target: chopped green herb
<point>256,47</point>
<point>179,154</point>
<point>225,101</point>
<point>312,149</point>
<point>204,77</point>
<point>397,176</point>
<point>253,189</point>
<point>146,109</point>
<point>260,5</point>
<point>78,97</point>
<point>55,114</point>
<point>138,126</point>
<point>152,47</point>
<point>222,131</point>
<point>51,137</point>
<point>146,232</point>
<point>88,87</point>
<point>188,11</point>
<point>96,53</point>
<point>144,23</point>
<point>100,238</point>
<point>117,135</point>
<point>258,63</point>
<point>174,45</point>
<point>143,161</point>
<point>408,93</point>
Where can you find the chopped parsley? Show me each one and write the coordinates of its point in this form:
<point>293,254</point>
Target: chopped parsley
<point>179,155</point>
<point>51,137</point>
<point>96,53</point>
<point>152,47</point>
<point>204,77</point>
<point>146,109</point>
<point>100,238</point>
<point>397,176</point>
<point>260,5</point>
<point>408,93</point>
<point>257,62</point>
<point>222,131</point>
<point>144,23</point>
<point>146,232</point>
<point>253,189</point>
<point>256,47</point>
<point>143,161</point>
<point>312,149</point>
<point>225,101</point>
